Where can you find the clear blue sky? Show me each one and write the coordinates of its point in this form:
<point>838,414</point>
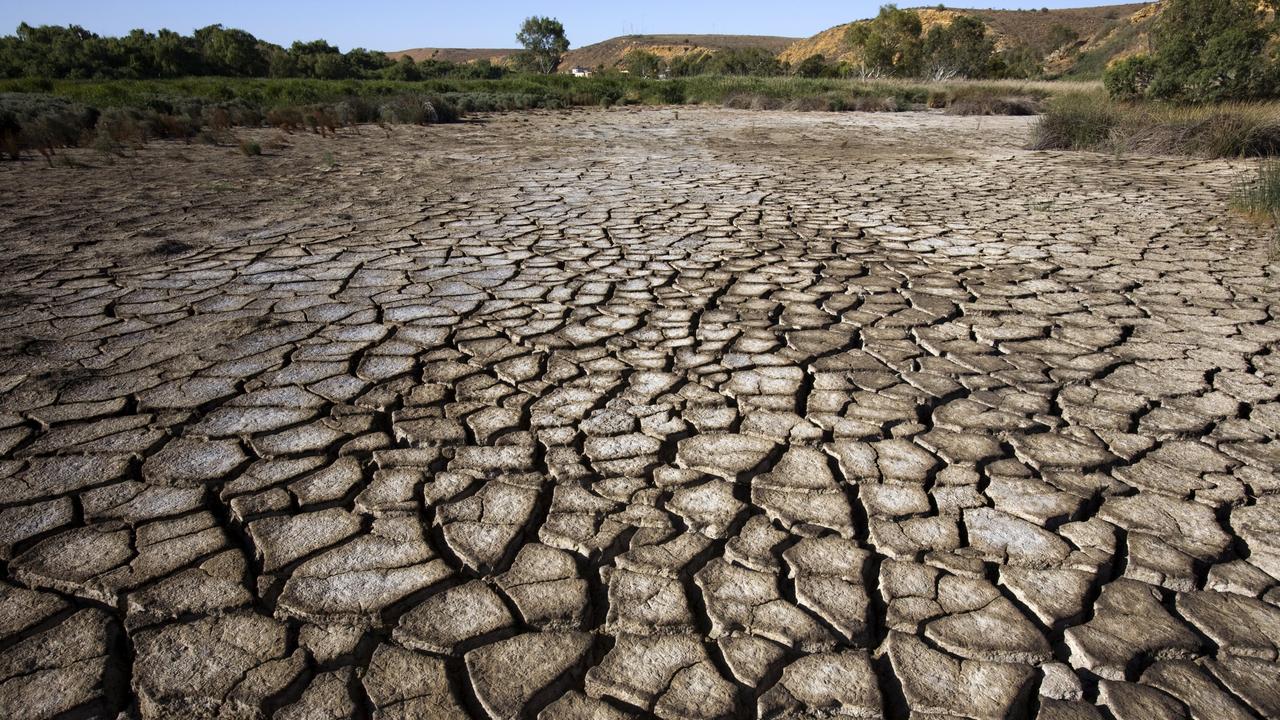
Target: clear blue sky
<point>403,24</point>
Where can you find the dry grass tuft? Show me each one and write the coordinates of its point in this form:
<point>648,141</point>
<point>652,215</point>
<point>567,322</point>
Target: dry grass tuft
<point>1090,121</point>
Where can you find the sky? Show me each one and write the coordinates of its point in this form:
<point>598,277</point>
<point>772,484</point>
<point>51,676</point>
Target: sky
<point>404,24</point>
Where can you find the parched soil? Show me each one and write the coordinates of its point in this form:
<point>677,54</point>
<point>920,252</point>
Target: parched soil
<point>690,413</point>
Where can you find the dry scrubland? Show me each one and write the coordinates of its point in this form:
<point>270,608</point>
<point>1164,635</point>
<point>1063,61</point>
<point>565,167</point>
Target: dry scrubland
<point>593,414</point>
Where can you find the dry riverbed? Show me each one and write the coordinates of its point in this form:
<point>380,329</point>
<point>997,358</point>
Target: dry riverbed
<point>694,413</point>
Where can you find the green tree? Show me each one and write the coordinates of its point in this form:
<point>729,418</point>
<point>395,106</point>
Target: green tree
<point>366,63</point>
<point>744,61</point>
<point>961,48</point>
<point>228,51</point>
<point>544,44</point>
<point>1130,78</point>
<point>812,67</point>
<point>689,64</point>
<point>1204,51</point>
<point>174,55</point>
<point>330,66</point>
<point>641,63</point>
<point>890,44</point>
<point>403,69</point>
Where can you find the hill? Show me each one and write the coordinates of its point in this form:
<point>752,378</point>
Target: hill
<point>1117,39</point>
<point>1037,29</point>
<point>611,52</point>
<point>457,55</point>
<point>1076,42</point>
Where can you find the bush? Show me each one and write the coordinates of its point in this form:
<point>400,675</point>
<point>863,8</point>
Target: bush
<point>123,126</point>
<point>41,122</point>
<point>1076,121</point>
<point>996,105</point>
<point>417,110</point>
<point>1092,122</point>
<point>1203,51</point>
<point>249,148</point>
<point>287,119</point>
<point>992,100</point>
<point>1130,78</point>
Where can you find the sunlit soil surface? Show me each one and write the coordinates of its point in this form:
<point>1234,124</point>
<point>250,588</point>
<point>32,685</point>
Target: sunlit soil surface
<point>691,413</point>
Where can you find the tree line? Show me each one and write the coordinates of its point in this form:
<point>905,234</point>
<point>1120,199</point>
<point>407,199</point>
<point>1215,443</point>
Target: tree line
<point>893,44</point>
<point>72,52</point>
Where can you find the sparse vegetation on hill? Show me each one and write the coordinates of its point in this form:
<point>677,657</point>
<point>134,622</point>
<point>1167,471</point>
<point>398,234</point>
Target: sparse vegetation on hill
<point>673,50</point>
<point>1027,43</point>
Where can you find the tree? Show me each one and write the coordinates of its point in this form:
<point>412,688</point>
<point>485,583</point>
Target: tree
<point>366,63</point>
<point>228,51</point>
<point>403,69</point>
<point>812,67</point>
<point>890,43</point>
<point>641,63</point>
<point>544,44</point>
<point>744,61</point>
<point>174,55</point>
<point>689,64</point>
<point>1130,78</point>
<point>1208,50</point>
<point>1203,51</point>
<point>961,48</point>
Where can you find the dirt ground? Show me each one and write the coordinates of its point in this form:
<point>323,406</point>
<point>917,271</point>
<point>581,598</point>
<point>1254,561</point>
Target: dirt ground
<point>691,413</point>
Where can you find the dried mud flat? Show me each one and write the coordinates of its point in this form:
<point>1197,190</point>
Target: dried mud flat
<point>630,413</point>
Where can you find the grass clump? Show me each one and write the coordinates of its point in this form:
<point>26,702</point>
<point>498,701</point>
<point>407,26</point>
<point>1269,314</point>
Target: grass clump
<point>1076,121</point>
<point>991,100</point>
<point>1091,121</point>
<point>1260,194</point>
<point>250,148</point>
<point>1259,197</point>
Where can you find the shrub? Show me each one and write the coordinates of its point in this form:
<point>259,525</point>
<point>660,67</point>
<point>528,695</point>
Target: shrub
<point>10,131</point>
<point>175,127</point>
<point>287,119</point>
<point>1130,78</point>
<point>320,120</point>
<point>41,122</point>
<point>996,105</point>
<point>1203,51</point>
<point>1091,122</point>
<point>1076,121</point>
<point>123,125</point>
<point>417,110</point>
<point>250,148</point>
<point>994,100</point>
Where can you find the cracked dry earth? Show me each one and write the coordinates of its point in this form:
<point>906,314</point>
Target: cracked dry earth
<point>626,414</point>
